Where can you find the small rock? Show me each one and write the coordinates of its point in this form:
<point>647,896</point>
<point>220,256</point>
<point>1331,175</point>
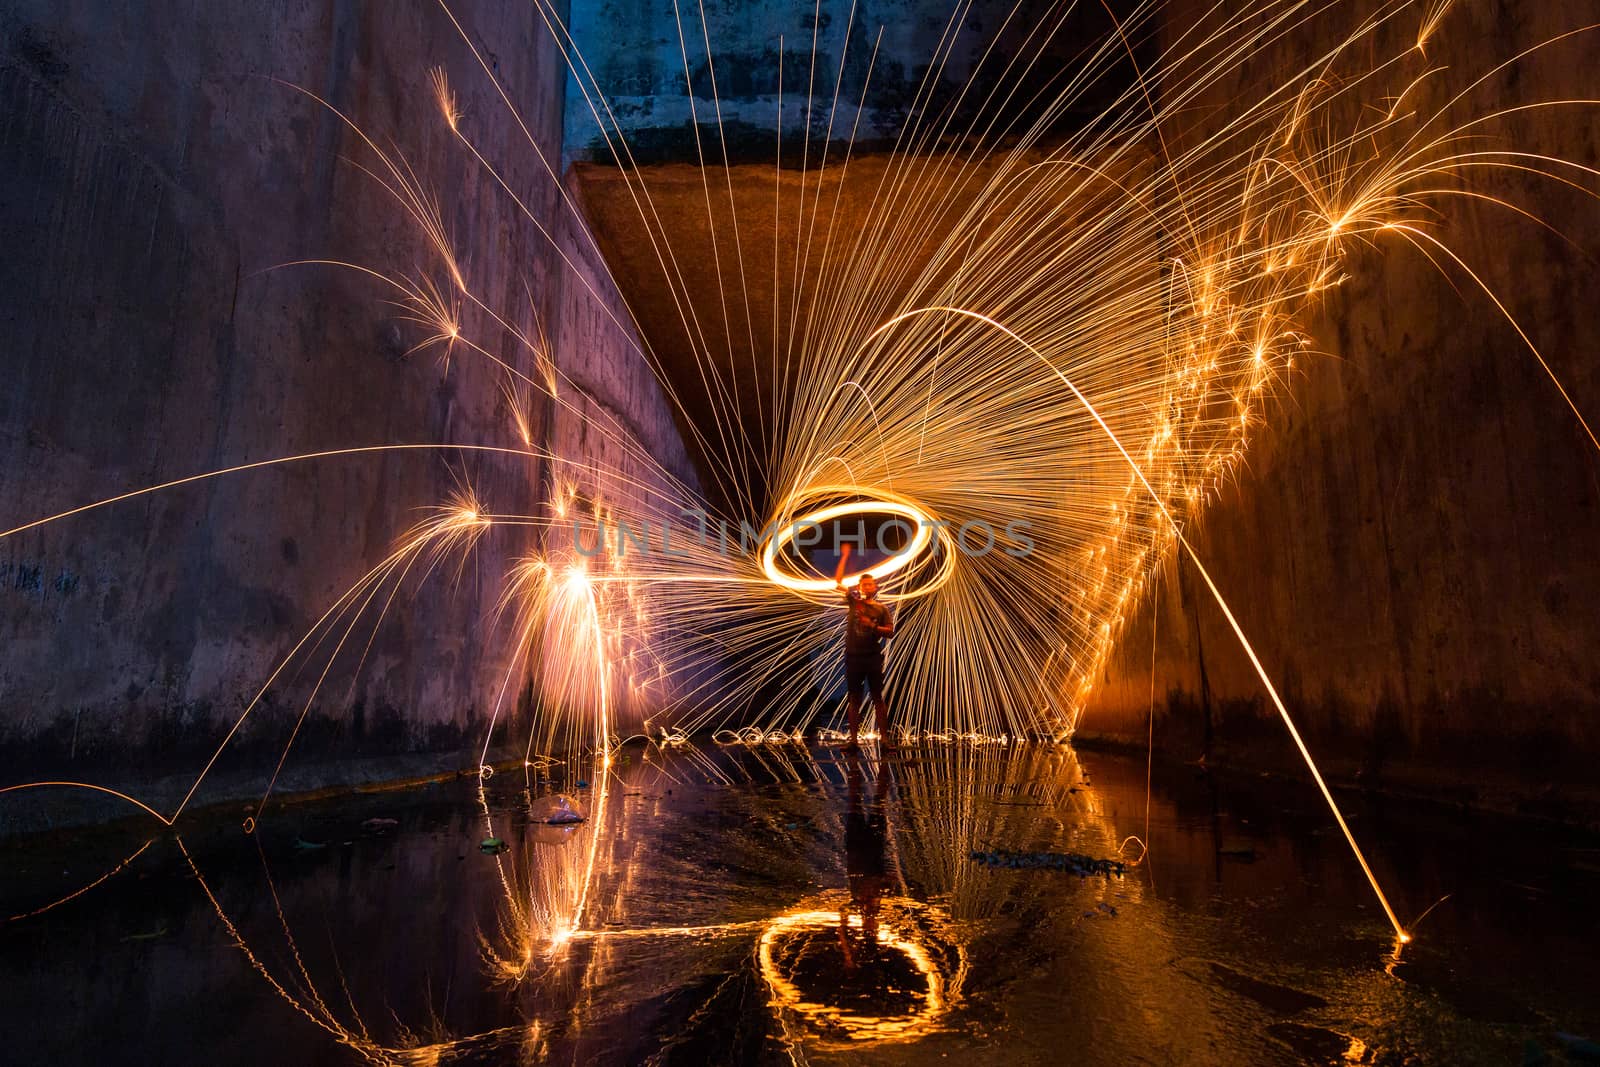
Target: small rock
<point>557,810</point>
<point>1073,862</point>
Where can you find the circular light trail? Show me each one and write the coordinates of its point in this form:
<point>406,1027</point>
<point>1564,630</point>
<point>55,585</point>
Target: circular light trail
<point>855,1025</point>
<point>923,526</point>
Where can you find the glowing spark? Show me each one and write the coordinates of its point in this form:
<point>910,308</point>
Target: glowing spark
<point>444,97</point>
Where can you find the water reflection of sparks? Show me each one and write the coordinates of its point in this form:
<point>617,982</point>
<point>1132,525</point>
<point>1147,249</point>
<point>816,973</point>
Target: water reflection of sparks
<point>546,884</point>
<point>842,973</point>
<point>909,971</point>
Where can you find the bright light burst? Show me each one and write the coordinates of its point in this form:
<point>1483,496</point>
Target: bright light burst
<point>1100,333</point>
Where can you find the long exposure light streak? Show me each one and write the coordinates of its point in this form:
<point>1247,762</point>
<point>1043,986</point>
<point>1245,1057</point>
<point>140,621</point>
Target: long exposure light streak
<point>1216,594</point>
<point>81,890</point>
<point>922,536</point>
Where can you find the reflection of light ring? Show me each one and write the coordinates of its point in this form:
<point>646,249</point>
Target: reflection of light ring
<point>787,527</point>
<point>862,1029</point>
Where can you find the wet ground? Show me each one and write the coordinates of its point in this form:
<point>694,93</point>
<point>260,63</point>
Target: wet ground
<point>776,904</point>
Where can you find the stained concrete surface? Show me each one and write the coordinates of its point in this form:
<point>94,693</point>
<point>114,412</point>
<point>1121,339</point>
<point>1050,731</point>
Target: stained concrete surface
<point>158,163</point>
<point>1411,546</point>
<point>873,72</point>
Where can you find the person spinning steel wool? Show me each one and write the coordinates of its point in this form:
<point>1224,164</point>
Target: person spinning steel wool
<point>868,625</point>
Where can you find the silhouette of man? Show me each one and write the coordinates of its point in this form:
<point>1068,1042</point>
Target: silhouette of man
<point>869,625</point>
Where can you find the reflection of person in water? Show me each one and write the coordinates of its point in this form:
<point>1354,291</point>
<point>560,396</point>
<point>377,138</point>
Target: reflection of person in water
<point>866,865</point>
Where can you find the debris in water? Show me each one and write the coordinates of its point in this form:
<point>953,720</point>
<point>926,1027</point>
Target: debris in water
<point>1074,862</point>
<point>557,810</point>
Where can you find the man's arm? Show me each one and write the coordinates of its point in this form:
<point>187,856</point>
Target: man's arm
<point>886,628</point>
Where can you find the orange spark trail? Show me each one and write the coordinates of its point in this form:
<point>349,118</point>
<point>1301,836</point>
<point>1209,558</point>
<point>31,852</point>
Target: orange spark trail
<point>1216,593</point>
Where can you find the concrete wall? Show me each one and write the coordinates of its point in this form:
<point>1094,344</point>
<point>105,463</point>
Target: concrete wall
<point>619,452</point>
<point>1413,546</point>
<point>817,61</point>
<point>151,171</point>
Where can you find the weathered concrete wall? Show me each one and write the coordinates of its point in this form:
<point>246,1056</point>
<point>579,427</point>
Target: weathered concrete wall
<point>1412,548</point>
<point>616,415</point>
<point>818,62</point>
<point>619,452</point>
<point>152,170</point>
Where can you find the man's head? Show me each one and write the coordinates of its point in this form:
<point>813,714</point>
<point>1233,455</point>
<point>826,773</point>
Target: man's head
<point>868,586</point>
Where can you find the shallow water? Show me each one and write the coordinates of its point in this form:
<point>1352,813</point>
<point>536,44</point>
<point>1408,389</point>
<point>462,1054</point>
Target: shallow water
<point>696,917</point>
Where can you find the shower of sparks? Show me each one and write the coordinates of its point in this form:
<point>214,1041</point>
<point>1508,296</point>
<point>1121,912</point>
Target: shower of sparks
<point>1081,364</point>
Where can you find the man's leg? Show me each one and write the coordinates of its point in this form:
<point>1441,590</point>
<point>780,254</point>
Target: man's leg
<point>880,703</point>
<point>853,679</point>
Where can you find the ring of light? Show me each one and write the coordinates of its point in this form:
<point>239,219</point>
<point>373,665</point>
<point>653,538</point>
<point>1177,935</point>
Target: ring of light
<point>862,1028</point>
<point>787,532</point>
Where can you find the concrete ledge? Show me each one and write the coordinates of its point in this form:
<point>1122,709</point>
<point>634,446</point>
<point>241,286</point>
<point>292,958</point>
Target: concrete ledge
<point>51,809</point>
